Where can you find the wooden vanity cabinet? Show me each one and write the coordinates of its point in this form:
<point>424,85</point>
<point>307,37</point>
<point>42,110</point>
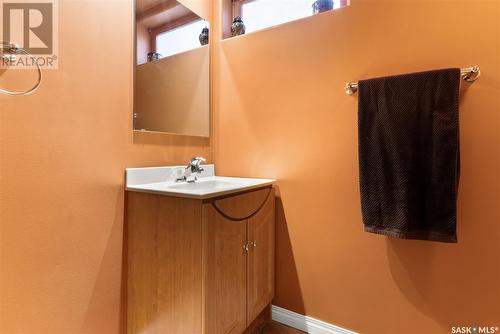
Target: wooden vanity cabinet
<point>199,266</point>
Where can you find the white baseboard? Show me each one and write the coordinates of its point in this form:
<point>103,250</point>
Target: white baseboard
<point>305,323</point>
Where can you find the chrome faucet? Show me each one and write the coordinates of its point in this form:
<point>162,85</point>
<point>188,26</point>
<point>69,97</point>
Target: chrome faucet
<point>191,170</point>
<point>195,163</point>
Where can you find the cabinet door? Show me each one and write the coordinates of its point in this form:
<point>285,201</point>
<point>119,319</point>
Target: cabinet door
<point>260,282</point>
<point>164,264</point>
<point>225,273</point>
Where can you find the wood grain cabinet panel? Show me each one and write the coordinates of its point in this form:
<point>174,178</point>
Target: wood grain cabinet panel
<point>227,269</point>
<point>242,206</point>
<point>164,264</point>
<point>199,266</point>
<point>260,283</point>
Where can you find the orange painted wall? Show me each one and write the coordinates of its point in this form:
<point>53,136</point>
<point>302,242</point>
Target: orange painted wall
<point>202,8</point>
<point>281,112</point>
<point>184,100</point>
<point>63,151</point>
<point>143,41</point>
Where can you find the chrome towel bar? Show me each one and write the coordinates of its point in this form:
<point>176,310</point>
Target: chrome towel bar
<point>468,74</point>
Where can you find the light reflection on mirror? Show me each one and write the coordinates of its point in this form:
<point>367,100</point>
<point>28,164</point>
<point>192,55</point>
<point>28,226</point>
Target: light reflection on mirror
<point>172,69</point>
<point>180,39</point>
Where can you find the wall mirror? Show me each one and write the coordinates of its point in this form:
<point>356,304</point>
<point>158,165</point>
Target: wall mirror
<point>172,76</point>
<point>246,16</point>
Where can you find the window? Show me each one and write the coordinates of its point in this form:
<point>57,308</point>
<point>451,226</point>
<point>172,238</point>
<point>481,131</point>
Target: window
<point>180,39</point>
<point>260,14</point>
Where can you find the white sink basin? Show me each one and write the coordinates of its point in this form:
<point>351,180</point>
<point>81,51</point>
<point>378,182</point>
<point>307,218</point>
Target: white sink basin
<point>203,184</point>
<point>161,180</point>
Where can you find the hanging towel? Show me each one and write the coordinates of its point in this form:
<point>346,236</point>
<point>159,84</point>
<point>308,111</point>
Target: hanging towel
<point>409,154</point>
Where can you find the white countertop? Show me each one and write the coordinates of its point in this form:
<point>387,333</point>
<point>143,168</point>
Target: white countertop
<point>161,180</point>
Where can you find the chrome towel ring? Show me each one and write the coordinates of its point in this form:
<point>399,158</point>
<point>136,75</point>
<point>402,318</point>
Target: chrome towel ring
<point>8,53</point>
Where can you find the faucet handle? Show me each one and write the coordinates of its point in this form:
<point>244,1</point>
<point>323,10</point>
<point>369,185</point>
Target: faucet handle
<point>194,164</point>
<point>196,161</point>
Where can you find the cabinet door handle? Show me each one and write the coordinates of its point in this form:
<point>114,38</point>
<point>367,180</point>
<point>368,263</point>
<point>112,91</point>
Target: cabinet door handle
<point>254,244</point>
<point>245,248</point>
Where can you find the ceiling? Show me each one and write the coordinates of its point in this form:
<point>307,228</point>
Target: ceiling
<point>143,5</point>
<point>153,13</point>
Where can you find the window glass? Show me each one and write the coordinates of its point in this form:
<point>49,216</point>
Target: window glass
<point>180,39</point>
<point>260,14</point>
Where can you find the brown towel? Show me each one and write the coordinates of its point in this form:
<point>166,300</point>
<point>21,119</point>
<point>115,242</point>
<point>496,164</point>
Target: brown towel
<point>409,154</point>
